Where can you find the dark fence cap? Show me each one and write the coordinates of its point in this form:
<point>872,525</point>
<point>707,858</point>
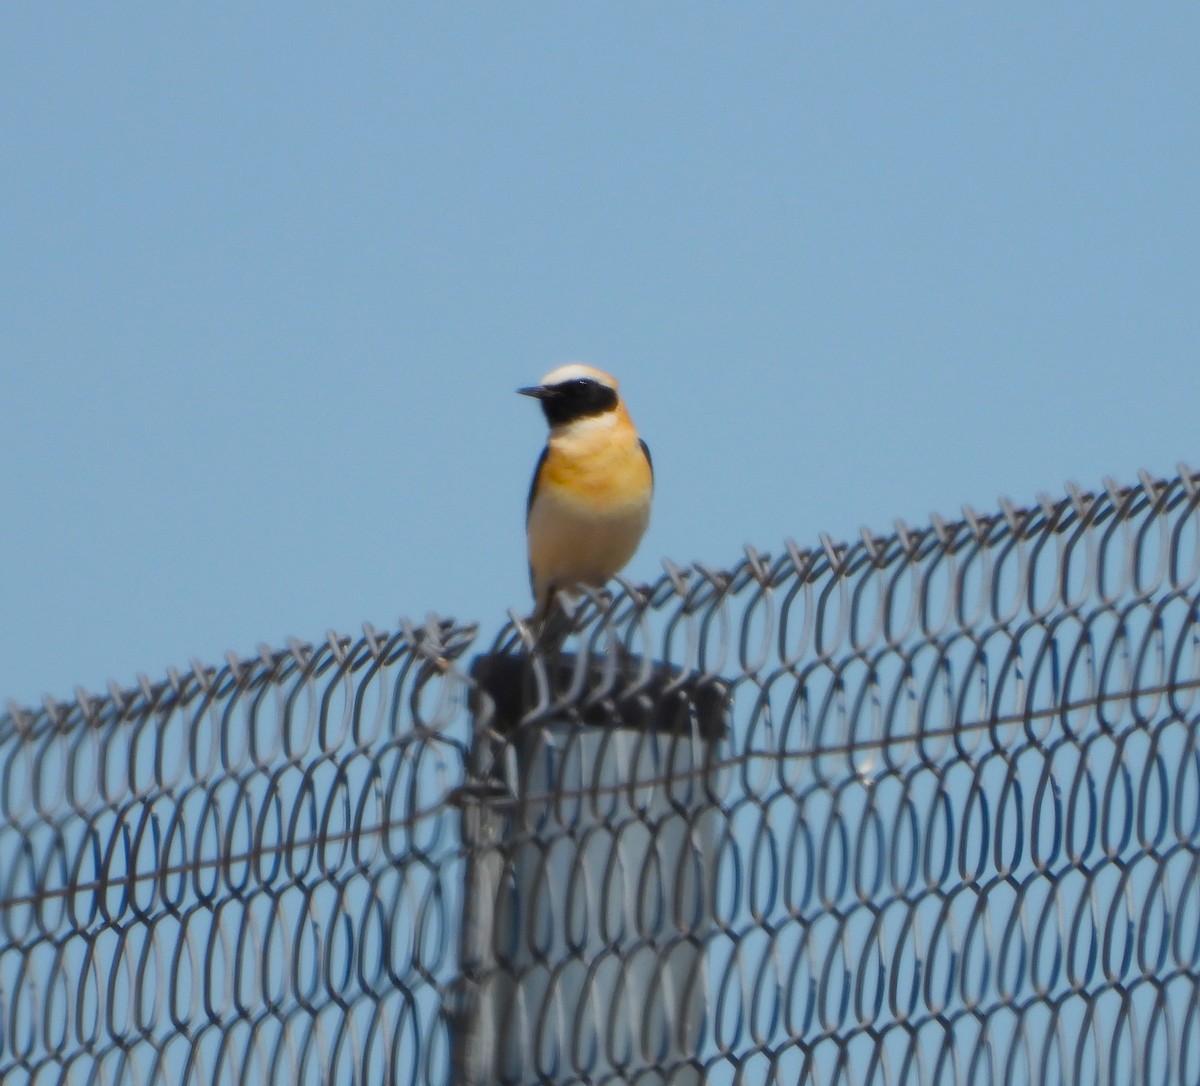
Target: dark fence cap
<point>664,700</point>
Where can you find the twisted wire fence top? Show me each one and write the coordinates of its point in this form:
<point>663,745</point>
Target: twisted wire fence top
<point>1079,561</point>
<point>950,832</point>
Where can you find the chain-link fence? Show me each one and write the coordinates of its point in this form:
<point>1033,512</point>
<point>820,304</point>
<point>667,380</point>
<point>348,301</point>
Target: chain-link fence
<point>920,809</point>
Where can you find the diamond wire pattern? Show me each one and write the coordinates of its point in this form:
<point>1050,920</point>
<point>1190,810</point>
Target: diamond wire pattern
<point>245,875</point>
<point>952,834</point>
<point>959,814</point>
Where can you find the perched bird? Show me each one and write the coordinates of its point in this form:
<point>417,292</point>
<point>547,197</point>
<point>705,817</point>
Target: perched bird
<point>589,502</point>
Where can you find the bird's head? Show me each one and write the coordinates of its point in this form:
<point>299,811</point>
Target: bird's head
<point>574,392</point>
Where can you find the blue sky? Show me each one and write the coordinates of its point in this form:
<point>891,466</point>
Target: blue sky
<point>270,279</point>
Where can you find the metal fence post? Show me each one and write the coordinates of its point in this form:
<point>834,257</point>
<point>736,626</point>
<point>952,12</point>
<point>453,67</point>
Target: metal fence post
<point>590,848</point>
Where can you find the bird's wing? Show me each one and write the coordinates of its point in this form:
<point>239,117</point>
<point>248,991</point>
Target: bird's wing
<point>646,450</point>
<point>533,483</point>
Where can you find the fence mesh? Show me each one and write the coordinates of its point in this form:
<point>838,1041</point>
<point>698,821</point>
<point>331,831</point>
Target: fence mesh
<point>920,809</point>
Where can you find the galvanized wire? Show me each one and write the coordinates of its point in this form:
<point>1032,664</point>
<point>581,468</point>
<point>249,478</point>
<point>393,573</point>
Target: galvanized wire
<point>957,814</point>
<point>244,875</point>
<point>948,831</point>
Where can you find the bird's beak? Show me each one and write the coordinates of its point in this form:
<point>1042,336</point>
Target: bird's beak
<point>538,392</point>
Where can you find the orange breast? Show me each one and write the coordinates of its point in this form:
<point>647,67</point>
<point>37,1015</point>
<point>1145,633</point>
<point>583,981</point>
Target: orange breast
<point>614,474</point>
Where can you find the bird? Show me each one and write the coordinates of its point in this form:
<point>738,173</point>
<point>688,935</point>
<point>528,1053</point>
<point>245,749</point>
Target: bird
<point>589,500</point>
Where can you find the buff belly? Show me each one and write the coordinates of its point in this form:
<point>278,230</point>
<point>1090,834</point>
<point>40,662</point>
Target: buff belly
<point>573,543</point>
